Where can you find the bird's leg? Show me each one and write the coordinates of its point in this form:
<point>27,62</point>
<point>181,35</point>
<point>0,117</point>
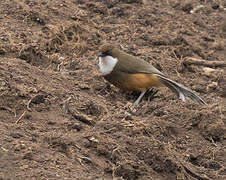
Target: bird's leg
<point>139,98</point>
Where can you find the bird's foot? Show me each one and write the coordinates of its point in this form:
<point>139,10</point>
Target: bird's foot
<point>152,94</point>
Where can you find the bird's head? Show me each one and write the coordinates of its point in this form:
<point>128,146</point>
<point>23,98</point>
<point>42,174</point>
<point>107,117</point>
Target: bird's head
<point>107,58</point>
<point>106,50</point>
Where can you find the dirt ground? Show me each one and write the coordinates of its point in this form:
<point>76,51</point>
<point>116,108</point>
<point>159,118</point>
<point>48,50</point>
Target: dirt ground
<point>59,119</point>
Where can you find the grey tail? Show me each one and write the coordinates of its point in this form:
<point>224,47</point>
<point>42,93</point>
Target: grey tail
<point>181,91</point>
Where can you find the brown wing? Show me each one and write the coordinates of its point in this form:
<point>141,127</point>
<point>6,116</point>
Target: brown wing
<point>134,65</point>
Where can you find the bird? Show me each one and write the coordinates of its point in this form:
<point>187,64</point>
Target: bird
<point>130,73</point>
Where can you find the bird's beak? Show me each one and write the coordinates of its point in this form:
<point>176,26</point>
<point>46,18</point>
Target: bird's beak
<point>100,54</point>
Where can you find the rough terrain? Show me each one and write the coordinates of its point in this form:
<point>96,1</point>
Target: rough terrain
<point>59,119</point>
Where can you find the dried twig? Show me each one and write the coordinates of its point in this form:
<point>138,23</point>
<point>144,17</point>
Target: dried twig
<point>195,9</point>
<point>83,118</point>
<point>6,150</point>
<point>192,173</point>
<point>202,62</point>
<point>65,105</point>
<point>86,159</point>
<point>195,172</point>
<point>9,109</point>
<point>28,105</point>
<point>190,168</point>
<point>21,117</point>
<point>37,98</point>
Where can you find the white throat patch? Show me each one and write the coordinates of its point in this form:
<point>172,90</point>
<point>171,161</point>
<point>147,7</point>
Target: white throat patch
<point>107,64</point>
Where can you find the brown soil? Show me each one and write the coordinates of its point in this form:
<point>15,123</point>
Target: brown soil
<point>61,120</point>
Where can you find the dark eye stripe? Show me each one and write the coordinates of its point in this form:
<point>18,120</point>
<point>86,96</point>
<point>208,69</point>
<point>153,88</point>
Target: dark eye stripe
<point>107,53</point>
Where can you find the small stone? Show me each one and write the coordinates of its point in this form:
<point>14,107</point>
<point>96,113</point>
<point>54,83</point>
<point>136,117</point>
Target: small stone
<point>212,86</point>
<point>208,71</point>
<point>93,139</point>
<point>25,166</point>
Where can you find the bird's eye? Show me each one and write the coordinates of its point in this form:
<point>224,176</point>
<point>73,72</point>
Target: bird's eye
<point>107,53</point>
